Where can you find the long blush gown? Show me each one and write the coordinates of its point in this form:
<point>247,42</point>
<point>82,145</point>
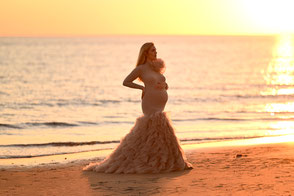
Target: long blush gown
<point>151,146</point>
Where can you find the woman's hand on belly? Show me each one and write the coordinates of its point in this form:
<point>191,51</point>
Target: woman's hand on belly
<point>161,86</point>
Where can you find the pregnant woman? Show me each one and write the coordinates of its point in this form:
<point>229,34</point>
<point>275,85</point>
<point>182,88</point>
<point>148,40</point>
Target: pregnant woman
<point>151,146</point>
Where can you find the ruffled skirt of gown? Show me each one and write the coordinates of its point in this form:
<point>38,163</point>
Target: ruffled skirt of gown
<point>150,147</point>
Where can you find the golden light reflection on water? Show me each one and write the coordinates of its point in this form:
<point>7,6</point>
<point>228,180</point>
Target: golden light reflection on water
<point>282,128</point>
<point>279,107</point>
<point>279,77</point>
<point>280,71</point>
<point>271,140</point>
<point>244,142</point>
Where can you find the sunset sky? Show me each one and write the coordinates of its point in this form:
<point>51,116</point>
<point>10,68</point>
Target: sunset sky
<point>108,17</point>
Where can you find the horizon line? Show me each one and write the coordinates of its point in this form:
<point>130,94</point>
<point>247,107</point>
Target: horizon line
<point>113,35</point>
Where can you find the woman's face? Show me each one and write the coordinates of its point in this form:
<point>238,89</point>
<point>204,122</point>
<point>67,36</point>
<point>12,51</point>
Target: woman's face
<point>151,54</point>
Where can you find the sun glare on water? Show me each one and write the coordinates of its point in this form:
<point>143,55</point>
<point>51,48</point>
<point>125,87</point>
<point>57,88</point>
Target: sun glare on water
<point>280,71</point>
<point>279,77</point>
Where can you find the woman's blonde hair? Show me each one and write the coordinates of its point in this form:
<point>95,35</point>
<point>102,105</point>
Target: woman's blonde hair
<point>157,65</point>
<point>143,53</point>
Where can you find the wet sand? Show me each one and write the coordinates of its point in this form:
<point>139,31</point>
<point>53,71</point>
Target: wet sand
<point>263,169</point>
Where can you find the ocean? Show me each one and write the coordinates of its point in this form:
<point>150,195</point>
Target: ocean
<point>64,95</point>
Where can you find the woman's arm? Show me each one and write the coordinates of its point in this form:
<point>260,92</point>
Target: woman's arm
<point>131,77</point>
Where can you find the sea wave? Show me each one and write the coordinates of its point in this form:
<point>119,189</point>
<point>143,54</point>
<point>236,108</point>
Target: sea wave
<point>76,150</point>
<point>72,144</point>
<point>55,124</point>
<point>42,155</point>
<point>61,144</point>
<point>10,126</point>
<point>107,102</point>
<point>35,124</point>
<point>65,103</point>
<point>217,139</point>
<point>234,119</point>
<point>287,96</point>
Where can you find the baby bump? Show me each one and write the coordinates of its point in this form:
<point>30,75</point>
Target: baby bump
<point>154,100</point>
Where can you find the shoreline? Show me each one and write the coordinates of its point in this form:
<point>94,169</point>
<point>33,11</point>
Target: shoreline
<point>71,159</point>
<point>262,169</point>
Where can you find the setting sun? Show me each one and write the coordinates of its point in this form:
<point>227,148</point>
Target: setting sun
<point>270,15</point>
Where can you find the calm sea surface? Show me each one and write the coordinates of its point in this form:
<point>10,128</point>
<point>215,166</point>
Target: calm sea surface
<point>65,95</point>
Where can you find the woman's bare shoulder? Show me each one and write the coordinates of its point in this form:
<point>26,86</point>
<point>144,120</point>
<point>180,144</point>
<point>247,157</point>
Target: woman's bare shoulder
<point>141,67</point>
<point>138,68</point>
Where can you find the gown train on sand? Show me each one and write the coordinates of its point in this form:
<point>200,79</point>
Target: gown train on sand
<point>150,147</point>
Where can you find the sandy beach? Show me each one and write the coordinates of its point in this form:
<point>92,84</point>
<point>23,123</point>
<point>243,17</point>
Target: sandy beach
<point>261,169</point>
